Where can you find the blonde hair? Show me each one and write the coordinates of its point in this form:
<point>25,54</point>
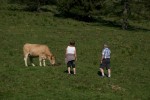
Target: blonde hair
<point>105,45</point>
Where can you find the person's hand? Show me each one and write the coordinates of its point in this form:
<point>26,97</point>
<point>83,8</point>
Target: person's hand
<point>75,59</point>
<point>101,61</point>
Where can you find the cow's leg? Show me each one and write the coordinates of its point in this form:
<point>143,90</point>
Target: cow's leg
<point>31,61</point>
<point>44,64</point>
<point>42,58</point>
<point>40,61</point>
<point>25,59</point>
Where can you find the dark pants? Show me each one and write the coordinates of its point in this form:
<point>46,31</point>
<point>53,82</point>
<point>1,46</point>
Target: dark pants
<point>105,63</point>
<point>71,63</point>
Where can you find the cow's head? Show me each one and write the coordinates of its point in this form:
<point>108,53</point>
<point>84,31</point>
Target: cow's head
<point>52,59</point>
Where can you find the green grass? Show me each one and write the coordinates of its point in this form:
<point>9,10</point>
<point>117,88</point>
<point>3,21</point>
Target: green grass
<point>129,60</point>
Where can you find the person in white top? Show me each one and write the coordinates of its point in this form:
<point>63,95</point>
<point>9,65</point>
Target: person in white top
<point>71,57</point>
<point>105,60</point>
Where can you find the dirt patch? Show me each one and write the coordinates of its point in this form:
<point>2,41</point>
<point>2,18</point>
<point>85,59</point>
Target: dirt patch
<point>117,88</point>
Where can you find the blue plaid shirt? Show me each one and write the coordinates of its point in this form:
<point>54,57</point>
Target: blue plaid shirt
<point>106,53</point>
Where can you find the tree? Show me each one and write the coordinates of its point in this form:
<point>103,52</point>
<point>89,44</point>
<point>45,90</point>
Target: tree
<point>34,5</point>
<point>140,9</point>
<point>79,9</point>
<point>125,14</point>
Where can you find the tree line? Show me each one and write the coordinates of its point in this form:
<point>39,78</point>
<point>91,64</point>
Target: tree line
<point>88,10</point>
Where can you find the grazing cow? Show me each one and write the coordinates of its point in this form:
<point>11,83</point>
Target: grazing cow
<point>37,50</point>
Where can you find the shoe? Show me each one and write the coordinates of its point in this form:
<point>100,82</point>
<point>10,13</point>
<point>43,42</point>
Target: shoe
<point>102,76</point>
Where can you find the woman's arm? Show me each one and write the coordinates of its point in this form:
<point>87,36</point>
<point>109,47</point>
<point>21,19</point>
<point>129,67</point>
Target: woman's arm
<point>102,56</point>
<point>75,54</point>
<point>66,53</point>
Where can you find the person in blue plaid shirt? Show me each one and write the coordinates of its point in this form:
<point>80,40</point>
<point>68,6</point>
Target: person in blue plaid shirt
<point>105,60</point>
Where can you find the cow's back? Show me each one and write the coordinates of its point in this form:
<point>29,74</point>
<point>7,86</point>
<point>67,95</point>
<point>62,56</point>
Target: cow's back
<point>34,49</point>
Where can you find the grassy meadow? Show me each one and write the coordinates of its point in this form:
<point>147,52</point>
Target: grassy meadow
<point>130,61</point>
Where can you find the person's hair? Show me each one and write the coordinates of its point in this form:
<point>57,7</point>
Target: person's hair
<point>105,45</point>
<point>72,43</point>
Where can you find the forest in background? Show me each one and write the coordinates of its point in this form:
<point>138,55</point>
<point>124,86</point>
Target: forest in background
<point>121,11</point>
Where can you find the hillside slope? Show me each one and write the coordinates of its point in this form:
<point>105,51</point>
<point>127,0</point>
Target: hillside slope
<point>129,59</point>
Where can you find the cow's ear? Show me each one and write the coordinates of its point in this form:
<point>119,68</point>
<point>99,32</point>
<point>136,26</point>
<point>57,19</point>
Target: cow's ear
<point>52,56</point>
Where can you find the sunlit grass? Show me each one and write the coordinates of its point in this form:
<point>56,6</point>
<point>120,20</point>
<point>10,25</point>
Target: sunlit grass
<point>129,59</point>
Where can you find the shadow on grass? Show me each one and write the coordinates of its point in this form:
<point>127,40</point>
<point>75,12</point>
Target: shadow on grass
<point>100,74</point>
<point>75,17</point>
<point>103,22</point>
<point>116,24</point>
<point>55,65</point>
<point>66,71</point>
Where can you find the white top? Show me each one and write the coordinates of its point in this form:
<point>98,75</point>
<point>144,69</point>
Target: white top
<point>70,50</point>
<point>106,53</point>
